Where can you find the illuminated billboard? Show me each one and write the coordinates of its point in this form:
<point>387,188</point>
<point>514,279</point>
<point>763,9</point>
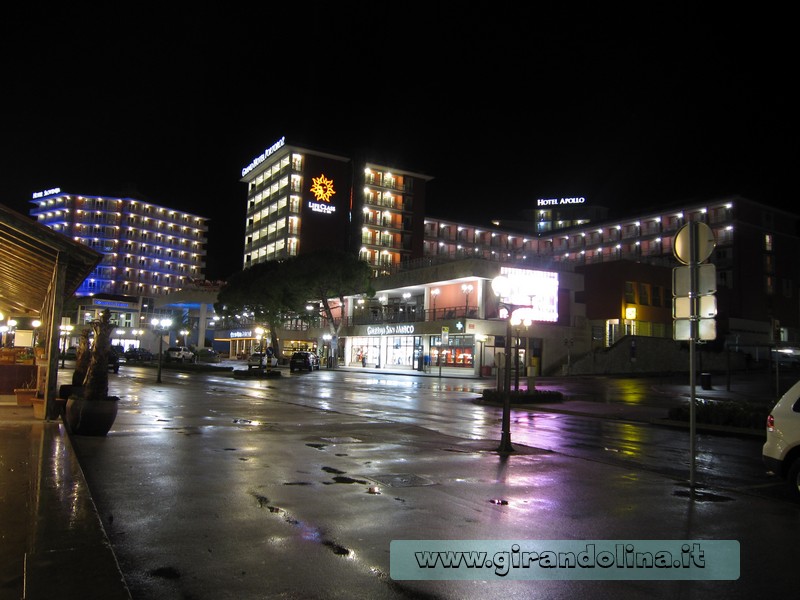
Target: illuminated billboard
<point>533,293</point>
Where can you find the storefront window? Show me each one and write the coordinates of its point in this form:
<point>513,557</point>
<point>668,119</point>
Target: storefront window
<point>459,351</point>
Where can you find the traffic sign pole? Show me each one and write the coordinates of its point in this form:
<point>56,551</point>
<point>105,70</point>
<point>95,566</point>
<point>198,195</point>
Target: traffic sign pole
<point>692,357</point>
<point>693,244</point>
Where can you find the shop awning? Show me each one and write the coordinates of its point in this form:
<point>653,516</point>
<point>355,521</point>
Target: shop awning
<point>29,254</point>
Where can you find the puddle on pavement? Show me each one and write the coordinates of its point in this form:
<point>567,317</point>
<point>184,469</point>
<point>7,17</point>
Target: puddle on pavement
<point>342,440</point>
<point>307,532</point>
<point>401,480</point>
<point>343,479</point>
<point>165,572</point>
<point>701,496</point>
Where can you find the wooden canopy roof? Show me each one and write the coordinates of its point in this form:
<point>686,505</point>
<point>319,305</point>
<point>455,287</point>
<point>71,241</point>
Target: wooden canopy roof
<point>30,257</point>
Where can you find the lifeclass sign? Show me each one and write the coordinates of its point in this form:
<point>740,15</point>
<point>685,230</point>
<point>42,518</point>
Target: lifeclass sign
<point>264,155</point>
<point>559,201</point>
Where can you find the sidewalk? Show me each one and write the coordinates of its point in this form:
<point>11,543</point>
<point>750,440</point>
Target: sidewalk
<point>54,543</point>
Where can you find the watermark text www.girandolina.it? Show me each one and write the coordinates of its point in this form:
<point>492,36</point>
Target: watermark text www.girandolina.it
<point>565,559</point>
<point>623,556</point>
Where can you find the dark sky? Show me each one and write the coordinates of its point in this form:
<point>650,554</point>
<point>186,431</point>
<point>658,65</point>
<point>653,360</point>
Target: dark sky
<point>628,109</point>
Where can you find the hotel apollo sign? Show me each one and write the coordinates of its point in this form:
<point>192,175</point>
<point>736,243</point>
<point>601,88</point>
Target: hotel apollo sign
<point>559,201</point>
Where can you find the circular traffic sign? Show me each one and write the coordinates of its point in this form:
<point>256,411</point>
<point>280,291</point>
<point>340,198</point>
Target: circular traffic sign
<point>703,238</point>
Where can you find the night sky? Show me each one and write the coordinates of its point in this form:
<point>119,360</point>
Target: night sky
<point>630,110</point>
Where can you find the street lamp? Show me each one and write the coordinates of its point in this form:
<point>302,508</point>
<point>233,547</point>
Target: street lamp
<point>160,326</point>
<point>10,335</point>
<point>435,294</point>
<point>326,339</point>
<point>467,289</point>
<point>36,323</point>
<point>184,333</point>
<point>501,287</point>
<point>65,331</point>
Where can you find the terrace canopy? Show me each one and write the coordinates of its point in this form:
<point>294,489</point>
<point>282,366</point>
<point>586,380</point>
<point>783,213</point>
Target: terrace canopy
<point>39,269</point>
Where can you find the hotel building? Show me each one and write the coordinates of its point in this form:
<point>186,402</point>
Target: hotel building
<point>301,201</point>
<point>149,251</point>
<point>628,265</point>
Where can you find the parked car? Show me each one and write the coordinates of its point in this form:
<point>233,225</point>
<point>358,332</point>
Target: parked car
<point>138,355</point>
<point>304,360</point>
<point>71,353</point>
<point>256,361</point>
<point>178,354</point>
<point>785,359</point>
<point>207,355</point>
<point>781,451</point>
<point>113,360</point>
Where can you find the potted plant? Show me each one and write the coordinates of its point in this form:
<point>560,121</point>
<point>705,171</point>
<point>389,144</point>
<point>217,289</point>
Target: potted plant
<point>25,358</point>
<point>90,409</point>
<point>26,393</point>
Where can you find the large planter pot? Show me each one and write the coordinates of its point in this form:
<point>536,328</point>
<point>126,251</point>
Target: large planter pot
<point>25,396</point>
<point>90,417</point>
<point>38,408</point>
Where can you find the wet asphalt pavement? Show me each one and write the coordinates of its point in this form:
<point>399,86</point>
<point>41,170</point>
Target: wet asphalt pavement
<point>215,488</point>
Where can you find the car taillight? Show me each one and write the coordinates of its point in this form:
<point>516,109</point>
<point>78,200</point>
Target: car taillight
<point>770,423</point>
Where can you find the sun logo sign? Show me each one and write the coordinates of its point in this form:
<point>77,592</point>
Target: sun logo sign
<point>322,188</point>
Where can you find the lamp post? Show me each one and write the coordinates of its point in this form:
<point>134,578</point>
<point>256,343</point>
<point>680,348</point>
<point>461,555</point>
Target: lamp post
<point>11,335</point>
<point>184,333</point>
<point>326,339</point>
<point>65,331</point>
<point>161,326</point>
<point>467,289</point>
<point>261,347</point>
<point>501,287</point>
<point>36,323</point>
<point>434,295</point>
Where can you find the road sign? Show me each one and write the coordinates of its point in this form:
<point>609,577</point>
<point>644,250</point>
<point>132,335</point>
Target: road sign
<point>703,238</point>
<point>706,329</point>
<point>706,307</point>
<point>706,280</point>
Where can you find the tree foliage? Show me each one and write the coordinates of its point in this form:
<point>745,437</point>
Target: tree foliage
<point>332,274</point>
<point>271,291</point>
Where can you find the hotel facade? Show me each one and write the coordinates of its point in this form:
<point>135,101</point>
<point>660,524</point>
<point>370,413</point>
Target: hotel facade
<point>149,251</point>
<point>301,200</point>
